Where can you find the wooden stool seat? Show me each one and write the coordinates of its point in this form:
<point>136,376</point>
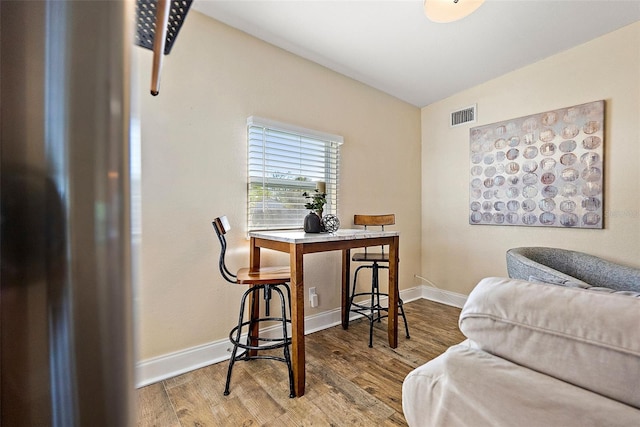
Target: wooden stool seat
<point>370,257</point>
<point>265,275</point>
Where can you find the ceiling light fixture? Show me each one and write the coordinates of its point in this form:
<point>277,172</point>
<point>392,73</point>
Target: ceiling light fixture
<point>444,11</point>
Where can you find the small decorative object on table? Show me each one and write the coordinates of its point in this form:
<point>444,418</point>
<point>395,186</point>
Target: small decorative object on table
<point>330,223</point>
<point>312,223</point>
<point>318,198</point>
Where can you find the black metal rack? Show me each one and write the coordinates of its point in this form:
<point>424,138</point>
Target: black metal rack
<point>146,22</point>
<point>164,17</point>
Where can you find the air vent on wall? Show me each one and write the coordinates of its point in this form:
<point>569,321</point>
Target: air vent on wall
<point>463,116</point>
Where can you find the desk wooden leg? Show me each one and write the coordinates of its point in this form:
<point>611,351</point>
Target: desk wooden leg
<point>254,328</point>
<point>254,255</point>
<point>392,323</point>
<point>297,319</point>
<point>346,273</point>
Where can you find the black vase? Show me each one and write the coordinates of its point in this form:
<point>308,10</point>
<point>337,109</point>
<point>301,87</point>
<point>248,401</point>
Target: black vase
<point>312,223</point>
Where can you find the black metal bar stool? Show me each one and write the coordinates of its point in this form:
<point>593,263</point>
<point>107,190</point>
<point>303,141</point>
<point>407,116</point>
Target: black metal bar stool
<point>269,280</point>
<point>371,307</point>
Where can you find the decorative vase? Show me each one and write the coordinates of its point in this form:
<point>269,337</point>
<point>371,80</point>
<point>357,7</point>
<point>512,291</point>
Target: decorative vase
<point>330,223</point>
<point>312,223</point>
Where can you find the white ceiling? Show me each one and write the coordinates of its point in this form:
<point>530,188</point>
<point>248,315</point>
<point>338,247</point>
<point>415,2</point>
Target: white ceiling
<point>392,46</point>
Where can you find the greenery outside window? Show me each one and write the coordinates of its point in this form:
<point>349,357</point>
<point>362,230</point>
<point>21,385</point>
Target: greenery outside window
<point>284,161</point>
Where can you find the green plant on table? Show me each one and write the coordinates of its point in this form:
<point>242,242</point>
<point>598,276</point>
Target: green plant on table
<point>316,202</point>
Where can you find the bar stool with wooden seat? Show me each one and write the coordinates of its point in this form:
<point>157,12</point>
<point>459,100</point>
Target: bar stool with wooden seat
<point>269,280</point>
<point>371,307</point>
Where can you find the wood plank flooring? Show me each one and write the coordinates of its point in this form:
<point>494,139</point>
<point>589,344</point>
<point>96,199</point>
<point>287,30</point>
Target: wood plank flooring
<point>348,383</point>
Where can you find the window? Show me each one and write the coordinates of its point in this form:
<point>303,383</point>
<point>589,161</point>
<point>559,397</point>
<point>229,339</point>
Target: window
<point>284,161</point>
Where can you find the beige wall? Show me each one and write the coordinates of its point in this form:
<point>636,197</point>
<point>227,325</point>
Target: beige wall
<point>456,255</point>
<point>194,169</point>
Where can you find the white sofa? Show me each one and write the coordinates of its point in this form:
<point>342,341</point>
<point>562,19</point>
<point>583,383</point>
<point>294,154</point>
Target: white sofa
<point>535,355</point>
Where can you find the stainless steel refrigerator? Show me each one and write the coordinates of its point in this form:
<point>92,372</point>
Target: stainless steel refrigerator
<point>66,342</point>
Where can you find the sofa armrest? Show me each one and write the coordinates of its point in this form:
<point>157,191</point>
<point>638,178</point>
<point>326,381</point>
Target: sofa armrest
<point>587,338</point>
<point>521,267</point>
<point>563,266</point>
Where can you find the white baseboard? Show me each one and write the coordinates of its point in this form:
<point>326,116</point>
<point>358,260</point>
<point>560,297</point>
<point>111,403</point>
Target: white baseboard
<point>159,368</point>
<point>169,365</point>
<point>444,297</point>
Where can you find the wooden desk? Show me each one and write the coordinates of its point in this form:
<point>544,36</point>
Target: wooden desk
<point>298,243</point>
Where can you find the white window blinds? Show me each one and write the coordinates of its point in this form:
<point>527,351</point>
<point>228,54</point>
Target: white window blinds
<point>284,161</point>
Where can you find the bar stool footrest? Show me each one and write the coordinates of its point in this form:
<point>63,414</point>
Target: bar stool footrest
<point>278,342</point>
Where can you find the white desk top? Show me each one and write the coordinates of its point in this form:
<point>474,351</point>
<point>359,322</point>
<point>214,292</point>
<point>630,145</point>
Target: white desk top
<point>299,236</point>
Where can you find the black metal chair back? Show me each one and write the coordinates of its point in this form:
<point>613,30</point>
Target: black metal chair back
<point>221,226</point>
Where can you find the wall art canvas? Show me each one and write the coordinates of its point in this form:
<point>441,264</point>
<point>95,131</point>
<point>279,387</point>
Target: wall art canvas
<point>543,170</point>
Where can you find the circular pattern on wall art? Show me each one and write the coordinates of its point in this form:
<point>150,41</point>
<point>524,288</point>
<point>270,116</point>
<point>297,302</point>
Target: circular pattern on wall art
<point>544,170</point>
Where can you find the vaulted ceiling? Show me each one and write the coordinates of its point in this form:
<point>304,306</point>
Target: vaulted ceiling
<point>392,46</point>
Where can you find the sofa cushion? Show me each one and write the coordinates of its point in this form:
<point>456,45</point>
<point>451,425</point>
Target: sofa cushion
<point>587,338</point>
<point>469,387</point>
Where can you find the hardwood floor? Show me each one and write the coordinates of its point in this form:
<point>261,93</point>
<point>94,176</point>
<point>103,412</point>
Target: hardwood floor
<point>348,383</point>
